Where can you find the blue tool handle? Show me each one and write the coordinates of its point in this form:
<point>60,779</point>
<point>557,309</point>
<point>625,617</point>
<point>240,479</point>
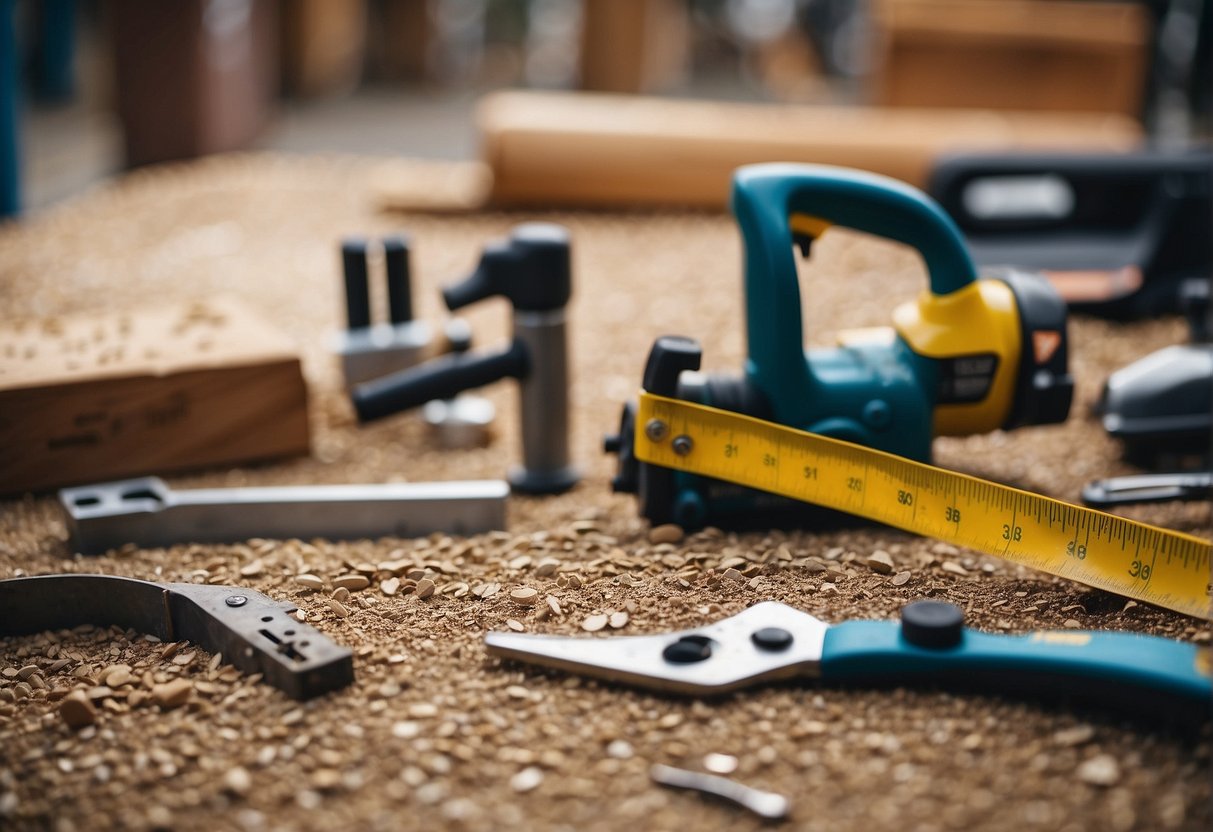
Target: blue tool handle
<point>770,194</point>
<point>765,197</point>
<point>1146,675</point>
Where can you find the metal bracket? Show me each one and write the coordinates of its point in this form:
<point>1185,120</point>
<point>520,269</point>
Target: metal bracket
<point>255,633</point>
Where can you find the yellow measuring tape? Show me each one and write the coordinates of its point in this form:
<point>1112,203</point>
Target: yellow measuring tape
<point>1145,562</point>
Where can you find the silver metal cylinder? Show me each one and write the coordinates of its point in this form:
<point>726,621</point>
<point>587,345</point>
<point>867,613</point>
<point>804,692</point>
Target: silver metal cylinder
<point>544,405</point>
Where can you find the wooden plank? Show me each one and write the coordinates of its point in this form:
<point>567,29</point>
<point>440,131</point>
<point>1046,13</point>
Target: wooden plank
<point>97,397</point>
<point>603,150</point>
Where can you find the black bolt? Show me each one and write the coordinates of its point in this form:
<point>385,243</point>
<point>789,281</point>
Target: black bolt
<point>688,650</point>
<point>773,639</point>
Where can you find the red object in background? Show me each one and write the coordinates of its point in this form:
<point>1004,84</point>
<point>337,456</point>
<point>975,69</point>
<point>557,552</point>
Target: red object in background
<point>193,76</point>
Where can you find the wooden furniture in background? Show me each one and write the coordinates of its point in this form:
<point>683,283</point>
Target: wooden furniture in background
<point>323,45</point>
<point>193,77</point>
<point>601,150</point>
<point>1012,54</point>
<point>101,397</point>
<point>633,45</point>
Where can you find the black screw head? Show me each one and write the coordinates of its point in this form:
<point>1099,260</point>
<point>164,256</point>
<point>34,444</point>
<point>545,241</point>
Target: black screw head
<point>688,650</point>
<point>934,625</point>
<point>773,639</point>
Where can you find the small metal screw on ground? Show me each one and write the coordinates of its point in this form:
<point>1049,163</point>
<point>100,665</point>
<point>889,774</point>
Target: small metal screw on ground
<point>655,430</point>
<point>682,444</point>
<point>235,600</point>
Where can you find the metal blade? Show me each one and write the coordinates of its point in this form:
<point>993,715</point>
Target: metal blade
<point>735,657</point>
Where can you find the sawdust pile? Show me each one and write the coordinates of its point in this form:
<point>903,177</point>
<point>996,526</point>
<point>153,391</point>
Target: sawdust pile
<point>433,732</point>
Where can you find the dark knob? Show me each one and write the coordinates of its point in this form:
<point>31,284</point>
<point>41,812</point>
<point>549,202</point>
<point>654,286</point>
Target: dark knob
<point>688,650</point>
<point>772,639</point>
<point>531,269</point>
<point>669,356</point>
<point>932,624</point>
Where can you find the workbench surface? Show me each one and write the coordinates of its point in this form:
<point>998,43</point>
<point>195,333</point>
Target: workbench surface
<point>433,733</point>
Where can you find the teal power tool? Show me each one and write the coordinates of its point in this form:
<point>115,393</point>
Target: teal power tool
<point>1144,676</point>
<point>967,356</point>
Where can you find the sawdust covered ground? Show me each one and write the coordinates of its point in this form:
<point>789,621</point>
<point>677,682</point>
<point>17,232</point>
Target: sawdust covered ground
<point>434,733</point>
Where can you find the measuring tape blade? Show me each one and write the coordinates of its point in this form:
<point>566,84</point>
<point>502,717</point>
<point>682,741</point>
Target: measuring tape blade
<point>1162,567</point>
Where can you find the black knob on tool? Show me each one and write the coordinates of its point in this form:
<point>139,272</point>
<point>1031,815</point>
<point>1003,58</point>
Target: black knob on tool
<point>442,378</point>
<point>399,279</point>
<point>934,625</point>
<point>357,288</point>
<point>531,268</point>
<point>668,358</point>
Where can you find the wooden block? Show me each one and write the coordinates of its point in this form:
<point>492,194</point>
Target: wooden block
<point>1013,54</point>
<point>99,397</point>
<point>598,150</point>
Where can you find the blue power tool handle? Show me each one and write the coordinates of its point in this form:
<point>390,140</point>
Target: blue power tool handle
<point>1132,671</point>
<point>764,198</point>
<point>767,195</point>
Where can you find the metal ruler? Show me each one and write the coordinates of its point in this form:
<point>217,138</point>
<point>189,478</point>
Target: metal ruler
<point>1155,565</point>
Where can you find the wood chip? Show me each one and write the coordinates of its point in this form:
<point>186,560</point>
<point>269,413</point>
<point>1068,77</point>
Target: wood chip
<point>309,581</point>
<point>900,579</point>
<point>1078,735</point>
<point>425,588</point>
<point>720,763</point>
<point>880,562</point>
<point>172,694</point>
<point>353,583</point>
<point>594,623</point>
<point>527,780</point>
<point>390,587</point>
<point>618,620</point>
<point>1102,770</point>
<point>620,750</point>
<point>117,677</point>
<point>524,595</point>
<point>667,533</point>
<point>77,711</point>
<point>325,779</point>
<point>237,780</point>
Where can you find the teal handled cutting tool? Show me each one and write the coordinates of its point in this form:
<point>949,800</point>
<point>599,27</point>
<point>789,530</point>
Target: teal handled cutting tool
<point>1149,676</point>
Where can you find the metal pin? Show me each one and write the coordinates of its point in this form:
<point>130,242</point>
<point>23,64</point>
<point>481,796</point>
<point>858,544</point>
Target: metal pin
<point>682,444</point>
<point>766,805</point>
<point>655,430</point>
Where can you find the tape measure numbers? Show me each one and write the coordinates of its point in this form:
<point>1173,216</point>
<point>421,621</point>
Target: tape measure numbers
<point>1155,565</point>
